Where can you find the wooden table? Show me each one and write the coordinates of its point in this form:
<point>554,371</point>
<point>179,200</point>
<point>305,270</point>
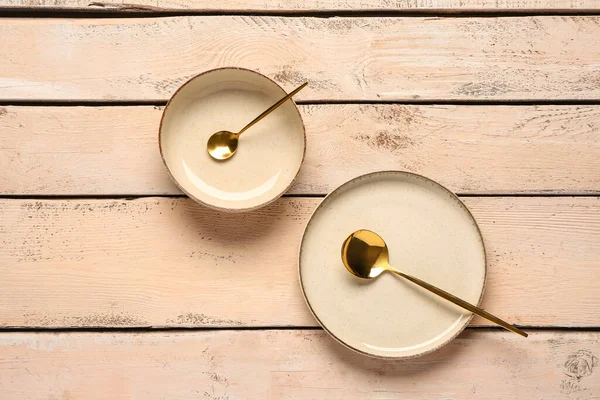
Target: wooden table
<point>115,286</point>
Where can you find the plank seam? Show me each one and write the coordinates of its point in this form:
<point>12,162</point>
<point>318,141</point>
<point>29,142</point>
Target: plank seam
<point>104,10</point>
<point>142,329</point>
<point>424,102</point>
<point>58,197</point>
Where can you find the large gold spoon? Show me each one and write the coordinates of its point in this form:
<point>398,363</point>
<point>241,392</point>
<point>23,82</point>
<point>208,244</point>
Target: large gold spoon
<point>365,255</point>
<point>223,144</point>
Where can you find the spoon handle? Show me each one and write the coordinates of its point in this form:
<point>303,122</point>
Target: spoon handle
<point>273,107</point>
<point>460,302</point>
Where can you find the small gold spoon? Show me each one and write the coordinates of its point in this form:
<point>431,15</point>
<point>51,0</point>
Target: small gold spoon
<point>365,255</point>
<point>223,144</point>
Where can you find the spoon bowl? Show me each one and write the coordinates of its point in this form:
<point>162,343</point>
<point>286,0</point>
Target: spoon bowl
<point>222,145</point>
<point>365,254</point>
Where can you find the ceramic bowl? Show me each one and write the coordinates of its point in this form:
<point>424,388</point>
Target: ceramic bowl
<point>430,234</point>
<point>269,155</point>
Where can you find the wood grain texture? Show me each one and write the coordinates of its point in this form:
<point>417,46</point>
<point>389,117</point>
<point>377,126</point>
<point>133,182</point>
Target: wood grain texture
<point>378,59</point>
<point>471,149</point>
<point>293,365</point>
<point>167,262</point>
<point>310,5</point>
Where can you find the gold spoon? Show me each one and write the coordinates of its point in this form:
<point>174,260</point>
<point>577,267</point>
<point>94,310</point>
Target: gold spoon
<point>365,255</point>
<point>223,144</point>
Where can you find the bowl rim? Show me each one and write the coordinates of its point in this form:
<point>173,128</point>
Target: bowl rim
<point>414,175</point>
<point>196,199</point>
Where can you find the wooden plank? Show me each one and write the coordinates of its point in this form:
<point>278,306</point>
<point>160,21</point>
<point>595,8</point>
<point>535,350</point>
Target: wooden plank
<point>167,262</point>
<point>292,365</point>
<point>290,6</point>
<point>471,149</point>
<point>378,58</point>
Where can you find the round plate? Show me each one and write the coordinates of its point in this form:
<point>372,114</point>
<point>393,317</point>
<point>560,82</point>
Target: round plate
<point>430,235</point>
<point>269,154</point>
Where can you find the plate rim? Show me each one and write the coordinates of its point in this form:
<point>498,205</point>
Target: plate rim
<point>413,175</point>
<point>196,199</point>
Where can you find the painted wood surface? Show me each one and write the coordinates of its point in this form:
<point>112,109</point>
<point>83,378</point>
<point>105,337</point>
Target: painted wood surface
<point>168,263</point>
<point>471,149</point>
<point>375,59</point>
<point>165,262</point>
<point>310,5</point>
<point>293,365</point>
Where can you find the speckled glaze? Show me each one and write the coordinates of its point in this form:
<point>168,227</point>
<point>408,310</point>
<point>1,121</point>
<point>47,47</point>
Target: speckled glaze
<point>430,234</point>
<point>269,155</point>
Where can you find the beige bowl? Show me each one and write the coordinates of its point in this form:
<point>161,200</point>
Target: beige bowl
<point>269,155</point>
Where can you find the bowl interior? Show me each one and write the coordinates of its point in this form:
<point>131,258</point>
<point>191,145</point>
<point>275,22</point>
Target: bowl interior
<point>269,154</point>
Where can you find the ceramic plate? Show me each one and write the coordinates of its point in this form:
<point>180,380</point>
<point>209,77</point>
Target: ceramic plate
<point>269,154</point>
<point>430,234</point>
